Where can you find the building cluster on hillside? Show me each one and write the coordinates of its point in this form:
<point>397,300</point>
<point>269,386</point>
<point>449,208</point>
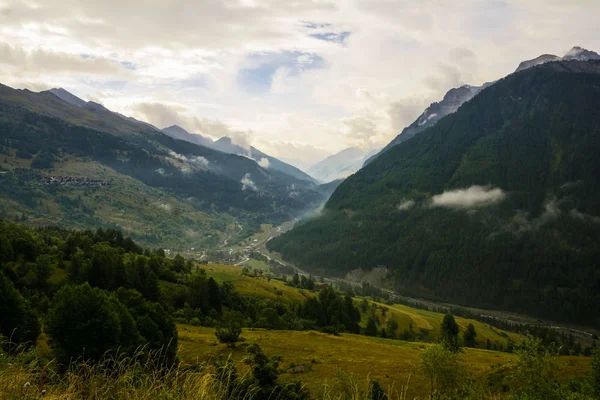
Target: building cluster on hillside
<point>73,181</point>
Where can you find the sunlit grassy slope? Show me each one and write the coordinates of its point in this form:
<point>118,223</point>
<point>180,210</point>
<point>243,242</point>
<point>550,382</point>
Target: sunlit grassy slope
<point>256,286</point>
<point>317,359</point>
<point>421,323</point>
<point>427,325</point>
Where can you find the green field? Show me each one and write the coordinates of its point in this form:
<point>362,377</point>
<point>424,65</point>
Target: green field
<point>255,286</point>
<point>257,264</point>
<point>318,359</point>
<point>421,323</point>
<point>429,322</point>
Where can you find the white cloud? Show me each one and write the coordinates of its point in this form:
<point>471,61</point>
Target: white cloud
<point>278,83</point>
<point>335,90</point>
<point>196,161</point>
<point>178,156</point>
<point>49,61</point>
<point>474,196</point>
<point>199,161</point>
<point>406,205</point>
<point>248,184</point>
<point>264,162</point>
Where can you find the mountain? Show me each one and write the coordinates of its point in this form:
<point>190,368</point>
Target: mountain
<point>496,206</point>
<point>581,54</point>
<point>544,58</point>
<point>68,97</point>
<point>456,97</point>
<point>178,132</point>
<point>227,145</point>
<point>340,165</point>
<point>453,99</point>
<point>84,166</point>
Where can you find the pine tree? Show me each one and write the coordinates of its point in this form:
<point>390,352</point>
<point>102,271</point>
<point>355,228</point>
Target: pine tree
<point>371,329</point>
<point>214,297</point>
<point>151,288</point>
<point>449,332</point>
<point>469,336</point>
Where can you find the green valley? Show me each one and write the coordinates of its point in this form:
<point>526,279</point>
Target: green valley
<point>495,206</point>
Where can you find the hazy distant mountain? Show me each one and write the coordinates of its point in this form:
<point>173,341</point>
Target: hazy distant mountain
<point>178,132</point>
<point>340,165</point>
<point>226,145</point>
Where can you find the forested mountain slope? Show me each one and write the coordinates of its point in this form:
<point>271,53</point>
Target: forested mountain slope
<point>498,205</point>
<point>116,172</point>
<point>456,97</point>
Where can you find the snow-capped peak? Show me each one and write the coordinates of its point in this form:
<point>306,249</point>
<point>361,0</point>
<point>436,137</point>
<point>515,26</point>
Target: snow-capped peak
<point>581,54</point>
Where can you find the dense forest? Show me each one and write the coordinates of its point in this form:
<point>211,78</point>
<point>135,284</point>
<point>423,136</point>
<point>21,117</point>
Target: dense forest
<point>527,148</point>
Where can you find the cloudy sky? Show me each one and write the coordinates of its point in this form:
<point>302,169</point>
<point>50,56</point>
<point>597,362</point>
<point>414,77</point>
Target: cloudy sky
<point>299,79</point>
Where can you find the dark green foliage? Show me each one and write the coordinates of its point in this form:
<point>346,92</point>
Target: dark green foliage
<point>83,322</point>
<point>156,327</point>
<point>392,327</point>
<point>18,322</point>
<point>535,372</point>
<point>265,373</point>
<point>449,333</point>
<point>44,160</point>
<point>329,309</point>
<point>469,336</point>
<point>536,136</point>
<point>376,392</point>
<point>86,322</point>
<point>371,329</point>
<point>214,297</point>
<point>596,371</point>
<point>231,331</point>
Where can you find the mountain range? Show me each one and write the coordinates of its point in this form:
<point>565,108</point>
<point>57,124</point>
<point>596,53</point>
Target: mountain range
<point>340,165</point>
<point>78,164</point>
<point>227,145</point>
<point>496,205</point>
<point>456,97</point>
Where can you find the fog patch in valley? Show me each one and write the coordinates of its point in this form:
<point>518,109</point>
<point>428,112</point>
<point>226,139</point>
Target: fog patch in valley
<point>471,197</point>
<point>406,205</point>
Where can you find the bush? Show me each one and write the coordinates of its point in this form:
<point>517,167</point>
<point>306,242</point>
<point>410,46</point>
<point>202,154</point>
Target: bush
<point>230,333</point>
<point>18,322</point>
<point>83,322</point>
<point>87,322</point>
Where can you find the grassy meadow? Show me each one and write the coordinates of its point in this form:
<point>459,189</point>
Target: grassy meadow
<point>421,323</point>
<point>320,361</point>
<point>259,286</point>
